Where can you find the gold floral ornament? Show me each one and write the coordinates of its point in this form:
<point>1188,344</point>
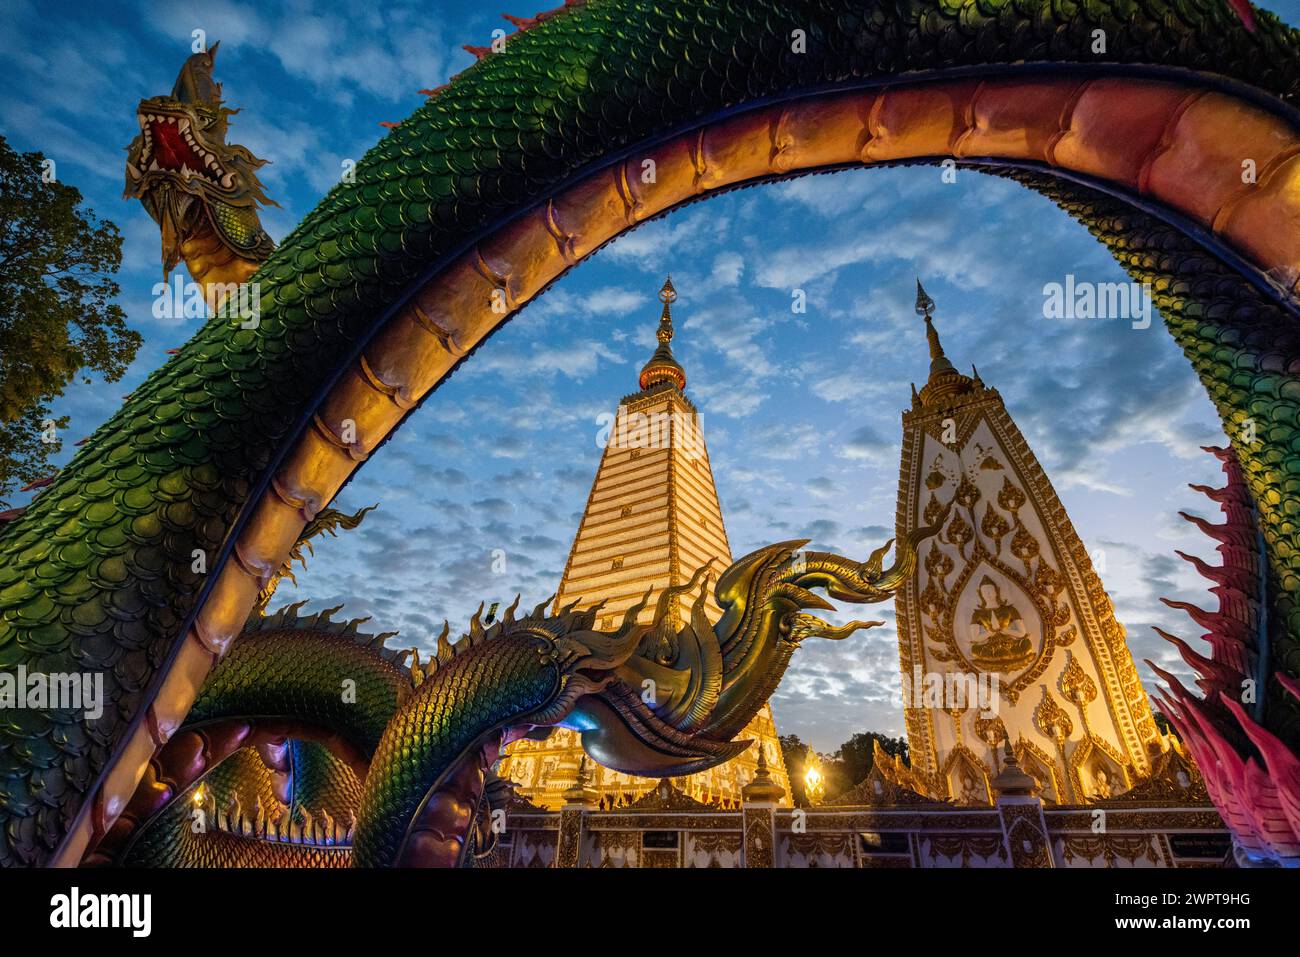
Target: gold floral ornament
<point>939,564</point>
<point>933,509</point>
<point>968,493</point>
<point>960,533</point>
<point>999,638</point>
<point>1023,545</point>
<point>994,527</point>
<point>932,600</point>
<point>1048,584</point>
<point>1051,718</point>
<point>1048,580</point>
<point>1075,683</point>
<point>988,461</point>
<point>991,731</point>
<point>1010,497</point>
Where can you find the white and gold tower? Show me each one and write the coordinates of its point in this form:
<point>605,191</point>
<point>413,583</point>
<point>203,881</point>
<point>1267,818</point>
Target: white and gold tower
<point>652,519</point>
<point>1005,598</point>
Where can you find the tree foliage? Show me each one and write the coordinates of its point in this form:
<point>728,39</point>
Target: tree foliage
<point>847,766</point>
<point>57,315</point>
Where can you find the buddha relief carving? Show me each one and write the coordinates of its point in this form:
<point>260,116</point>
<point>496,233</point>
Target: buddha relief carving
<point>999,640</point>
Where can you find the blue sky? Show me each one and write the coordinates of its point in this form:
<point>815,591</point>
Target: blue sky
<point>801,412</point>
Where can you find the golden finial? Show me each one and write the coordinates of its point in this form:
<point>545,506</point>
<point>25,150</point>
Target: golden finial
<point>662,366</point>
<point>944,381</point>
<point>667,293</point>
<point>1012,780</point>
<point>925,308</point>
<point>761,787</point>
<point>924,304</point>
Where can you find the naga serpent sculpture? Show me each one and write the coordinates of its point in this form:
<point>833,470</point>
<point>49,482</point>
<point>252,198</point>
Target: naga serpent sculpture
<point>1169,129</point>
<point>368,762</point>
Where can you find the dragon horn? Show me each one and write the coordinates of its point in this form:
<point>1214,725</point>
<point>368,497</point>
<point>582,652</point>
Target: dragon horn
<point>905,555</point>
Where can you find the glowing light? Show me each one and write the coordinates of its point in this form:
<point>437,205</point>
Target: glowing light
<point>814,782</point>
<point>199,795</point>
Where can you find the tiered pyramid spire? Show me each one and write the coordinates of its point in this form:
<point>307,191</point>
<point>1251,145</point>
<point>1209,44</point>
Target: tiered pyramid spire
<point>1005,594</point>
<point>652,520</point>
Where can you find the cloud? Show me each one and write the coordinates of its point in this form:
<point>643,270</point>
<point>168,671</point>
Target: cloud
<point>613,299</point>
<point>576,360</point>
<point>865,443</point>
<point>387,52</point>
<point>728,267</point>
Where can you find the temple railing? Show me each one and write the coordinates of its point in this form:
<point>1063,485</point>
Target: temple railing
<point>666,828</point>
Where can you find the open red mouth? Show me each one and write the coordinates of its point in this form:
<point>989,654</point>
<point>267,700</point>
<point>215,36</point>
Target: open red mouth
<point>170,145</point>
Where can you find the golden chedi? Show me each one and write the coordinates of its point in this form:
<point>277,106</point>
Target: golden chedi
<point>651,520</point>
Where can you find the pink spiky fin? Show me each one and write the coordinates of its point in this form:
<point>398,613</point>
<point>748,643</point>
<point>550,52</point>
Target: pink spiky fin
<point>1226,533</point>
<point>1213,674</point>
<point>40,483</point>
<point>1233,800</point>
<point>1244,13</point>
<point>1275,796</point>
<point>1209,620</point>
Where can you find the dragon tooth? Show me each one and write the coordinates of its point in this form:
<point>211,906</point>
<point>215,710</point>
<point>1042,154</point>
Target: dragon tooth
<point>228,180</point>
<point>183,124</point>
<point>153,166</point>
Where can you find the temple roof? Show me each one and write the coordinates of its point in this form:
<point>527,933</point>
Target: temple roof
<point>663,365</point>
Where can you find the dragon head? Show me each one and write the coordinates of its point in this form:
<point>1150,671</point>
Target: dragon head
<point>660,700</point>
<point>186,175</point>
